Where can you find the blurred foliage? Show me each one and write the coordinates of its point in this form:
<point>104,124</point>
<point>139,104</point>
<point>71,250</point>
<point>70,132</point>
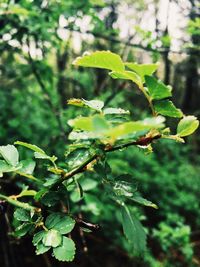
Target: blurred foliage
<point>38,42</point>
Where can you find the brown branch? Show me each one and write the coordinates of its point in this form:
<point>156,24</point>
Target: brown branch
<point>143,141</point>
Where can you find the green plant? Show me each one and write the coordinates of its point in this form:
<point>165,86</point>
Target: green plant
<point>51,206</point>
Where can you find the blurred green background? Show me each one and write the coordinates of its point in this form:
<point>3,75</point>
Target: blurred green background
<point>38,42</point>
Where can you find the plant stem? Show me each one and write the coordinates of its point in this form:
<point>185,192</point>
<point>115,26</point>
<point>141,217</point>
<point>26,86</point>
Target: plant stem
<point>143,141</point>
<point>19,204</point>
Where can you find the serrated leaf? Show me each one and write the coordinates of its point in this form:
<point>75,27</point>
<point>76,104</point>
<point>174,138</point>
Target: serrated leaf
<point>10,154</point>
<point>41,249</point>
<point>58,221</point>
<point>127,75</point>
<point>167,108</point>
<point>5,167</point>
<point>187,126</point>
<point>143,201</point>
<point>38,237</point>
<point>30,146</point>
<point>119,111</point>
<point>135,126</point>
<point>100,59</point>
<point>66,251</point>
<point>133,230</point>
<point>22,215</point>
<point>50,198</point>
<point>23,229</point>
<point>93,104</point>
<point>142,69</point>
<point>28,166</point>
<point>94,123</point>
<point>157,89</point>
<point>38,155</point>
<point>123,188</point>
<point>99,124</point>
<point>52,238</point>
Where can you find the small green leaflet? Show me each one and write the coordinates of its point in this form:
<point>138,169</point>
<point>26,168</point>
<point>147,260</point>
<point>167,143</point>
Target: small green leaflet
<point>5,167</point>
<point>23,229</point>
<point>38,152</point>
<point>136,126</point>
<point>28,166</point>
<point>58,221</point>
<point>167,108</point>
<point>127,75</point>
<point>120,111</point>
<point>187,126</point>
<point>41,249</point>
<point>93,104</point>
<point>133,230</point>
<point>10,154</point>
<point>95,123</point>
<point>157,89</point>
<point>30,146</point>
<point>142,69</point>
<point>137,198</point>
<point>100,59</point>
<point>52,238</point>
<point>66,251</point>
<point>22,215</point>
<point>38,237</point>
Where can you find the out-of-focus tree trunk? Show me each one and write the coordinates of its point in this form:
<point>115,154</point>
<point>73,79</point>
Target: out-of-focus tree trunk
<point>191,97</point>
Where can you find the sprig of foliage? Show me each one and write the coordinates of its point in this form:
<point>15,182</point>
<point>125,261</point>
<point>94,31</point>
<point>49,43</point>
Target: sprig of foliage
<point>103,131</point>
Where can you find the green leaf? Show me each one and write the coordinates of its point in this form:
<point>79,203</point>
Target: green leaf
<point>58,221</point>
<point>100,3</point>
<point>167,108</point>
<point>187,126</point>
<point>93,104</point>
<point>52,238</point>
<point>127,75</point>
<point>100,59</point>
<point>88,184</point>
<point>99,124</point>
<point>23,229</point>
<point>27,193</point>
<point>123,188</point>
<point>30,146</point>
<point>50,198</point>
<point>22,215</point>
<point>120,111</point>
<point>10,154</point>
<point>5,167</point>
<point>28,166</point>
<point>66,251</point>
<point>94,123</point>
<point>41,249</point>
<point>136,126</point>
<point>142,69</point>
<point>77,157</point>
<point>143,201</point>
<point>157,89</point>
<point>38,237</point>
<point>133,230</point>
<point>39,153</point>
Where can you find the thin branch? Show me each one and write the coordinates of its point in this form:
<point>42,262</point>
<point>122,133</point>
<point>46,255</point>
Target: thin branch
<point>19,204</point>
<point>127,43</point>
<point>143,141</point>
